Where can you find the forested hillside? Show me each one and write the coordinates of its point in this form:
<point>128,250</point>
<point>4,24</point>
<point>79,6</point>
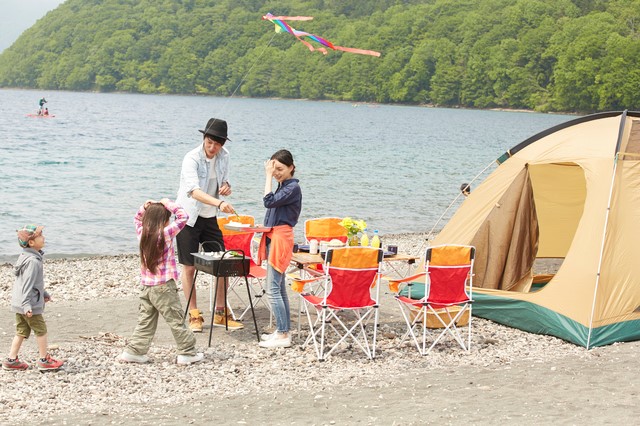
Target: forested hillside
<point>546,55</point>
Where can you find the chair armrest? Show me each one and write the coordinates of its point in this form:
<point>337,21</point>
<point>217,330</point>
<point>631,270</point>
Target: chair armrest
<point>394,283</point>
<point>298,282</point>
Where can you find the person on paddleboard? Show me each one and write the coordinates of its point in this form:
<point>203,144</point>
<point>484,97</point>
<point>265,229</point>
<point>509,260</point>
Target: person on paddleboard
<point>41,103</point>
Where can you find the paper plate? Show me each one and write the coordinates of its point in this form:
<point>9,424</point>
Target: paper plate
<point>239,225</point>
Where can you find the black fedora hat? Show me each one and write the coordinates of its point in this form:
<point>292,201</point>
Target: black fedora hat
<point>216,127</point>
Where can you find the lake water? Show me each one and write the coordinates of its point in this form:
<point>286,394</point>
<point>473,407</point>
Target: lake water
<point>84,173</point>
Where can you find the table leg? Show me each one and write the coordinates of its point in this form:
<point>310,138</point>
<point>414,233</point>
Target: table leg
<point>253,314</point>
<point>193,285</point>
<point>215,297</point>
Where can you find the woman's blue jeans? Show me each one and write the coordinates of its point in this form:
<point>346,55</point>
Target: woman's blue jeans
<point>277,294</point>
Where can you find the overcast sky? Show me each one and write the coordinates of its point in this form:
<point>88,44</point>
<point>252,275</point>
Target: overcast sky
<point>18,15</point>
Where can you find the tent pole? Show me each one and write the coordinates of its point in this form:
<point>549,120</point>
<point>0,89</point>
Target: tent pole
<point>606,222</point>
<point>430,234</point>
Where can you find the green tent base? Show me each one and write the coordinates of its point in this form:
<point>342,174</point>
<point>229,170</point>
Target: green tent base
<point>534,318</point>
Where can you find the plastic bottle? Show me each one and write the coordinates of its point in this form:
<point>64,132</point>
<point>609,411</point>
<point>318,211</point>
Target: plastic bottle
<point>375,241</point>
<point>364,241</point>
<point>313,247</point>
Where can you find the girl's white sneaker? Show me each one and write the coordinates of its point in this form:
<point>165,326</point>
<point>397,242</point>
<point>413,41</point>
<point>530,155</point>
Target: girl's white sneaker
<point>127,357</point>
<point>190,359</point>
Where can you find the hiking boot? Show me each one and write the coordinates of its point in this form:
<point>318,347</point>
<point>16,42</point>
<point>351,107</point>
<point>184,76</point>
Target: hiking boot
<point>219,321</point>
<point>49,364</point>
<point>14,364</point>
<point>276,342</point>
<point>195,320</point>
<point>190,359</point>
<point>127,357</point>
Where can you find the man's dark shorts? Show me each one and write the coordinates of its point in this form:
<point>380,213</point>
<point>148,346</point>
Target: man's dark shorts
<point>24,325</point>
<point>206,232</point>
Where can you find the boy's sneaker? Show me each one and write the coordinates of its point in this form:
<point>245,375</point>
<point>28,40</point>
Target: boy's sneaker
<point>190,359</point>
<point>219,321</point>
<point>49,364</point>
<point>14,364</point>
<point>127,357</point>
<point>195,320</point>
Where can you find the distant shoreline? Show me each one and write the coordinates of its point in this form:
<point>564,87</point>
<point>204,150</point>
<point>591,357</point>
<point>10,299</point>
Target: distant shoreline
<point>386,239</point>
<point>351,102</point>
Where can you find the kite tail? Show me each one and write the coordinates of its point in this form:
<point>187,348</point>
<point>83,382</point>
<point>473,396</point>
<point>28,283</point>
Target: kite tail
<point>358,51</point>
<point>270,17</point>
<point>311,48</point>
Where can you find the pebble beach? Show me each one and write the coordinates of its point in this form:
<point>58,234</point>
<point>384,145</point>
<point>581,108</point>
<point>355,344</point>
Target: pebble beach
<point>508,376</point>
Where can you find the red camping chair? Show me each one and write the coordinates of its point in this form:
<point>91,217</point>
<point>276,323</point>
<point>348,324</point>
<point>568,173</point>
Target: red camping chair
<point>319,229</point>
<point>351,282</point>
<point>448,270</point>
<point>243,241</point>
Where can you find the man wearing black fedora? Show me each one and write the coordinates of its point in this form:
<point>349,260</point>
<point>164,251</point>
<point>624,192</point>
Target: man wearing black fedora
<point>204,178</point>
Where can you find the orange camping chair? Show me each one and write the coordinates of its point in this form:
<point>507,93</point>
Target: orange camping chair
<point>324,229</point>
<point>319,229</point>
<point>448,272</point>
<point>349,301</point>
<point>243,241</point>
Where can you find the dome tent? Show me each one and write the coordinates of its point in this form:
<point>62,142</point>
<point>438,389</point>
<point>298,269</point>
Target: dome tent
<point>572,193</point>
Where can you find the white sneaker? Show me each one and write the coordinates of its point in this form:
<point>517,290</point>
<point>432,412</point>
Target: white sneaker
<point>190,359</point>
<point>276,342</point>
<point>127,357</point>
<point>265,336</point>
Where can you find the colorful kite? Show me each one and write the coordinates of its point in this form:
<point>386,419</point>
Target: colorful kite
<point>281,25</point>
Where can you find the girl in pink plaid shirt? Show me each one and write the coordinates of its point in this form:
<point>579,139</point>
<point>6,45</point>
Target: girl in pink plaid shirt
<point>158,276</point>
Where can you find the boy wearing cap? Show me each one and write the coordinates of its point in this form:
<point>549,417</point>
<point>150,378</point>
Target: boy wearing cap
<point>204,178</point>
<point>28,299</point>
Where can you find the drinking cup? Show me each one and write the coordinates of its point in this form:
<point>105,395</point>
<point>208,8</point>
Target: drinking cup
<point>324,246</point>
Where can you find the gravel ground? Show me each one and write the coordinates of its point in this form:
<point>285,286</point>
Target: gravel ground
<point>508,375</point>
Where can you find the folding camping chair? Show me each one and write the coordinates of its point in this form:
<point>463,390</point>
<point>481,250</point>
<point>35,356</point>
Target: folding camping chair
<point>243,241</point>
<point>447,270</point>
<point>324,229</point>
<point>319,229</point>
<point>349,302</point>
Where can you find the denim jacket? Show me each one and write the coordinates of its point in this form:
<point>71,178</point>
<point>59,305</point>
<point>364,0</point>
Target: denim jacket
<point>195,175</point>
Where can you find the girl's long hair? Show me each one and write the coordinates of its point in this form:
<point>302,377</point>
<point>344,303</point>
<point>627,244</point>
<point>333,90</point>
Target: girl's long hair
<point>152,242</point>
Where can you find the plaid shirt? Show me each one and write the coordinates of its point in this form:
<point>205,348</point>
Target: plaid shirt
<point>167,268</point>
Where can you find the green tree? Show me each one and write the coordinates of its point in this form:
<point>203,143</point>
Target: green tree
<point>539,54</point>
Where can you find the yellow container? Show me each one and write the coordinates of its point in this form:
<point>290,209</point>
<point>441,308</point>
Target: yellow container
<point>434,322</point>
